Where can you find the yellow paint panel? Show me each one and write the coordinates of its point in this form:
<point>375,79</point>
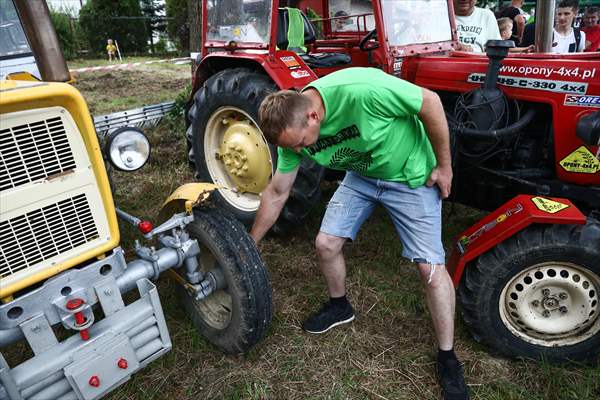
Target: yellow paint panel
<point>549,206</point>
<point>27,95</point>
<point>581,161</point>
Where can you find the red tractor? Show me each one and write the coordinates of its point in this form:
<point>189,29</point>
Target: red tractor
<point>525,139</point>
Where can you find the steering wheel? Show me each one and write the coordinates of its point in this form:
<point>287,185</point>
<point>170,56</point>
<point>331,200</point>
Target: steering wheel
<point>369,41</point>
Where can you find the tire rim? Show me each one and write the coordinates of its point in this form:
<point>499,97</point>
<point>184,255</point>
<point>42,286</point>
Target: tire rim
<point>216,309</point>
<point>552,304</point>
<point>237,157</point>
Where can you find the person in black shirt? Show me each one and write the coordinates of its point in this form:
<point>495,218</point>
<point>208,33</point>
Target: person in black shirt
<point>515,13</point>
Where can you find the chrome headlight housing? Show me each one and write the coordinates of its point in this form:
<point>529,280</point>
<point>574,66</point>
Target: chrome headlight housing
<point>127,148</point>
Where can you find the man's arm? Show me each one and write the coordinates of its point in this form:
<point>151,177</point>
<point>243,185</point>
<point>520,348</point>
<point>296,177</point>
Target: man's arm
<point>271,203</point>
<point>434,119</point>
<point>520,21</point>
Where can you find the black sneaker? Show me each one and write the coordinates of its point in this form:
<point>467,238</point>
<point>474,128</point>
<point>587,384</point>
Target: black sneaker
<point>452,380</point>
<point>328,317</point>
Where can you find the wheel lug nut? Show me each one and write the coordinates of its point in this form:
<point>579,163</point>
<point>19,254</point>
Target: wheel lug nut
<point>535,303</point>
<point>546,313</point>
<point>244,158</point>
<point>546,292</point>
<point>563,309</point>
<point>563,295</point>
<point>245,168</point>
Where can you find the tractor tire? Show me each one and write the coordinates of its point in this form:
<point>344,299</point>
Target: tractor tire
<point>536,294</point>
<point>236,317</point>
<point>226,105</point>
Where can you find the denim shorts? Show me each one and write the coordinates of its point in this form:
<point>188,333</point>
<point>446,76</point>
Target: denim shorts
<point>416,214</point>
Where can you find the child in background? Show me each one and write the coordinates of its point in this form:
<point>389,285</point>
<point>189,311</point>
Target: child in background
<point>111,49</point>
<point>505,26</point>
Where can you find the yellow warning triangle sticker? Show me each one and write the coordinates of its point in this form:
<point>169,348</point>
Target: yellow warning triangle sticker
<point>547,205</point>
<point>582,161</point>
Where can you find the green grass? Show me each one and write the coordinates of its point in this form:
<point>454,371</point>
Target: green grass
<point>387,353</point>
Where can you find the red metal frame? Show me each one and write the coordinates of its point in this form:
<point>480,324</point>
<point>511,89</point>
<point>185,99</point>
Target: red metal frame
<point>512,217</point>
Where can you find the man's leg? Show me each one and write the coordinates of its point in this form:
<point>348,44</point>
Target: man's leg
<point>332,263</point>
<point>439,293</point>
<point>347,210</point>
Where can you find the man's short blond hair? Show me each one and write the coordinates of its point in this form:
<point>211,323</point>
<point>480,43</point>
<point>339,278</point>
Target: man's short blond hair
<point>282,110</point>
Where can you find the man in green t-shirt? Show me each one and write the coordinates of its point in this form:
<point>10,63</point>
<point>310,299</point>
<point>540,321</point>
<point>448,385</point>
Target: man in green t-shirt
<point>392,139</point>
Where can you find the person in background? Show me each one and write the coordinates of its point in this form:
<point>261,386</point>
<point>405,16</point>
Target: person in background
<point>591,20</point>
<point>567,39</point>
<point>111,50</point>
<point>505,26</point>
<point>515,13</point>
<point>474,25</point>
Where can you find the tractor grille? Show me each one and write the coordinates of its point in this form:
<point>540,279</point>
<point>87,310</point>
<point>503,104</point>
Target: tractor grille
<point>34,151</point>
<point>36,236</point>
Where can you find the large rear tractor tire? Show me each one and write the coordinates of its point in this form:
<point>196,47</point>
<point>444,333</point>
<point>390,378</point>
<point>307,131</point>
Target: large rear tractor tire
<point>236,317</point>
<point>228,148</point>
<point>536,294</point>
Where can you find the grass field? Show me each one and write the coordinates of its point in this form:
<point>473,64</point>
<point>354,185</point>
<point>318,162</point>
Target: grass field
<point>387,353</point>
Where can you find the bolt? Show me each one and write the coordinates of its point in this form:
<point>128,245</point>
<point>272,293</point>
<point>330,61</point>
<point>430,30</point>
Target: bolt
<point>225,121</point>
<point>122,363</point>
<point>563,295</point>
<point>239,173</point>
<point>245,168</point>
<point>535,303</point>
<point>108,292</point>
<point>36,329</point>
<point>228,162</point>
<point>244,158</point>
<point>546,313</point>
<point>563,309</point>
<point>238,148</point>
<point>546,292</point>
<point>232,171</point>
<point>94,381</point>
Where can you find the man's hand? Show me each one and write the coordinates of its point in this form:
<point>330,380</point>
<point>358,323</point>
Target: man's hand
<point>443,178</point>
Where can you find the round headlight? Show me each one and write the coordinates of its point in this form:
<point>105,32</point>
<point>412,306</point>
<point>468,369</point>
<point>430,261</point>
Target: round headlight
<point>128,148</point>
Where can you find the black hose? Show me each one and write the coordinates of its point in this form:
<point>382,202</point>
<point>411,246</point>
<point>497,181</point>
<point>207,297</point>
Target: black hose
<point>498,133</point>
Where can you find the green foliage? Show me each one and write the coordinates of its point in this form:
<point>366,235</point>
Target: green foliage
<point>65,30</point>
<point>177,24</point>
<point>181,102</point>
<point>120,20</point>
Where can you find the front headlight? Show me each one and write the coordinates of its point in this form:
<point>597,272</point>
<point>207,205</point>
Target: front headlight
<point>127,148</point>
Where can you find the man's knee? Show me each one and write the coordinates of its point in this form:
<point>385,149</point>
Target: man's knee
<point>433,275</point>
<point>328,245</point>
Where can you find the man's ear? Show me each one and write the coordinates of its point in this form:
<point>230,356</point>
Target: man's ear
<point>313,116</point>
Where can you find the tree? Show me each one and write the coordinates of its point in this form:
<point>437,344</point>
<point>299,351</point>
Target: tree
<point>195,24</point>
<point>65,32</point>
<point>120,20</point>
<point>178,27</point>
<point>155,23</point>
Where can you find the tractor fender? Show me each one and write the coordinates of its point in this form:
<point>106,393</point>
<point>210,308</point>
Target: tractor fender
<point>185,197</point>
<point>286,69</point>
<point>507,220</point>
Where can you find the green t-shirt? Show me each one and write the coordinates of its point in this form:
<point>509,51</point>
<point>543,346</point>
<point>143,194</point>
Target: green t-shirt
<point>370,126</point>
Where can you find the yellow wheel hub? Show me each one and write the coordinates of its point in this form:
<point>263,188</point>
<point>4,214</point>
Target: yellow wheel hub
<point>245,156</point>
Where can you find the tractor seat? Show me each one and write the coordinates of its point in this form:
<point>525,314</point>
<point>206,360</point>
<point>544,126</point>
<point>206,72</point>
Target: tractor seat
<point>315,60</point>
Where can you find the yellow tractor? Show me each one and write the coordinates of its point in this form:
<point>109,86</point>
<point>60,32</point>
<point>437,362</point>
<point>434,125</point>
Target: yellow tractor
<point>61,266</point>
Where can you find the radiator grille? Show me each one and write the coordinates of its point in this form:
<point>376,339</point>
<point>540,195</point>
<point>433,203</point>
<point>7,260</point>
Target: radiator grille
<point>44,233</point>
<point>33,151</point>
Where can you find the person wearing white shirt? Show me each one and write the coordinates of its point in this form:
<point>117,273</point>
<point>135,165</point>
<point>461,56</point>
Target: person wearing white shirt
<point>566,38</point>
<point>474,25</point>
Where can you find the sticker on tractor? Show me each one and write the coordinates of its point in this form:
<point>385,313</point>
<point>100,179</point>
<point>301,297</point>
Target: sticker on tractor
<point>547,205</point>
<point>300,74</point>
<point>581,161</point>
<point>290,62</point>
<point>582,101</point>
<point>534,83</point>
<point>397,66</point>
<point>465,241</point>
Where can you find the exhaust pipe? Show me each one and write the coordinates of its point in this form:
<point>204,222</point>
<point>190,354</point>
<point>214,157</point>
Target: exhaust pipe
<point>36,21</point>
